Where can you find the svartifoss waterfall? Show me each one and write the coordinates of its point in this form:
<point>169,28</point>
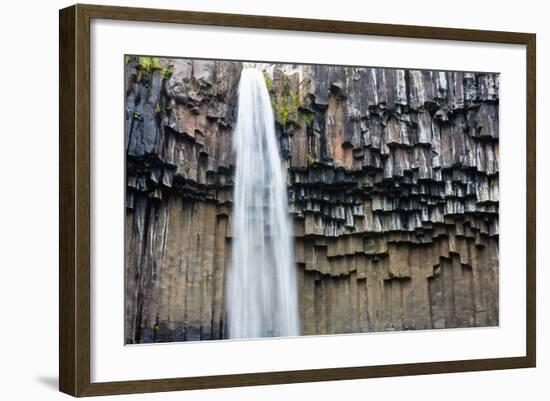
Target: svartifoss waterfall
<point>262,296</point>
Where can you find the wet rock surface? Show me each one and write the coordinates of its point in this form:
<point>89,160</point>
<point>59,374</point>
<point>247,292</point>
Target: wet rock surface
<point>392,184</point>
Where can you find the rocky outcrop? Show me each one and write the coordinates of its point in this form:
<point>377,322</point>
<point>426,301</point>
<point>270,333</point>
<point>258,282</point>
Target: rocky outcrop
<point>392,184</point>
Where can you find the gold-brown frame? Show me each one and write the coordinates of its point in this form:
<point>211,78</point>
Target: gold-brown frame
<point>74,199</point>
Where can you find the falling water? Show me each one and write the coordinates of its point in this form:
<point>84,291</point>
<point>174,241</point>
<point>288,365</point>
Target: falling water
<point>262,296</point>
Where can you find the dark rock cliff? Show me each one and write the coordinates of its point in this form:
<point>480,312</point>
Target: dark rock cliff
<point>392,183</point>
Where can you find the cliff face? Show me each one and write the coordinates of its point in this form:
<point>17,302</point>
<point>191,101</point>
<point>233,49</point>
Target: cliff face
<point>392,185</point>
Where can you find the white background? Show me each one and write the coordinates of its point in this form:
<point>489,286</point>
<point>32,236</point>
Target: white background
<point>113,362</point>
<point>28,286</point>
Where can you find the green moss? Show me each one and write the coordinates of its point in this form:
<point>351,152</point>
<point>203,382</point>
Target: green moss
<point>150,64</point>
<point>285,106</point>
<point>310,159</point>
<point>268,82</point>
<point>284,100</point>
<point>166,72</point>
<point>308,117</point>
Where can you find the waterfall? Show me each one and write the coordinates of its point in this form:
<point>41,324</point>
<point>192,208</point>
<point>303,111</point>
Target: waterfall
<point>262,298</point>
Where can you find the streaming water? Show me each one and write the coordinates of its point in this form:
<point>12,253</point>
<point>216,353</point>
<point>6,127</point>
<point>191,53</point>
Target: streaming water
<point>262,296</point>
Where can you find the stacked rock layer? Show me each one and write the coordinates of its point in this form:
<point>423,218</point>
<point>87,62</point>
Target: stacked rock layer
<point>392,185</point>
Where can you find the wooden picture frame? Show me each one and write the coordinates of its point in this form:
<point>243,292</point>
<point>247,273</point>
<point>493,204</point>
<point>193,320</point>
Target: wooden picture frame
<point>75,207</point>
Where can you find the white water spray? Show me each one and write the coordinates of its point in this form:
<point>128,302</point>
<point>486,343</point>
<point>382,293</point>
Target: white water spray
<point>262,298</point>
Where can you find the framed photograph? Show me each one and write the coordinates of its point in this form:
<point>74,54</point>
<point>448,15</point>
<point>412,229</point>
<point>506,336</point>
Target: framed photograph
<point>250,200</point>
